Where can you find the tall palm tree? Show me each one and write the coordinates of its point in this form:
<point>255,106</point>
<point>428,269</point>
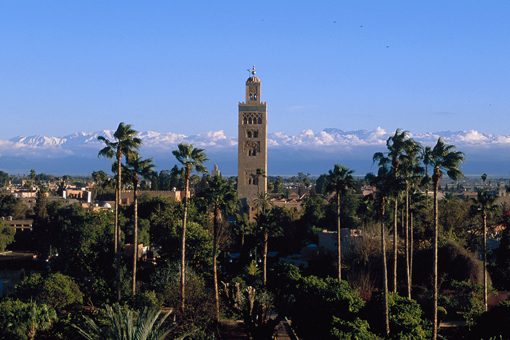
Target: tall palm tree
<point>402,156</point>
<point>384,182</point>
<point>417,204</point>
<point>339,180</point>
<point>266,224</point>
<point>137,167</point>
<point>193,160</point>
<point>425,156</point>
<point>484,205</point>
<point>410,171</point>
<point>443,159</point>
<point>223,198</point>
<point>125,144</point>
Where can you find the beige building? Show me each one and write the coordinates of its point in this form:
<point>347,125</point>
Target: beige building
<point>252,145</point>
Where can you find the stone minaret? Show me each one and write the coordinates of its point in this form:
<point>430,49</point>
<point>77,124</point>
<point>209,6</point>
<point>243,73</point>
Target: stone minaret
<point>252,147</point>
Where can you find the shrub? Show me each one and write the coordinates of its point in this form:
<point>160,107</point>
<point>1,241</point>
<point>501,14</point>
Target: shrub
<point>405,317</point>
<point>494,323</point>
<point>57,290</point>
<point>352,330</point>
<point>317,301</point>
<point>20,320</point>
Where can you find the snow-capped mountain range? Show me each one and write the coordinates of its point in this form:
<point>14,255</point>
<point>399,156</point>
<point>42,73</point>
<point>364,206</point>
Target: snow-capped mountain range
<point>287,154</point>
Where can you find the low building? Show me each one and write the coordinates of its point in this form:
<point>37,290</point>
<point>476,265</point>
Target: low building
<point>348,237</point>
<point>19,225</point>
<point>127,197</point>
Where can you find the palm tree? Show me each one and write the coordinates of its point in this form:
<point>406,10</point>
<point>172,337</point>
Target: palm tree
<point>258,174</point>
<point>266,224</point>
<point>242,225</point>
<point>384,182</point>
<point>425,156</point>
<point>443,159</point>
<point>339,180</point>
<point>417,204</point>
<point>484,205</point>
<point>484,178</point>
<point>222,197</point>
<point>30,318</point>
<point>366,210</point>
<point>125,145</point>
<point>263,202</point>
<point>193,160</point>
<point>145,327</point>
<point>402,155</point>
<point>411,171</point>
<point>137,167</point>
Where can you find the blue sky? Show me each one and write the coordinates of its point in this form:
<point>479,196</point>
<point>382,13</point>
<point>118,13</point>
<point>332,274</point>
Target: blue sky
<point>180,66</point>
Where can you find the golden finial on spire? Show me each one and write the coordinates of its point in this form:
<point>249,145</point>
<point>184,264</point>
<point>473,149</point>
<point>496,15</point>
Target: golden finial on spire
<point>253,72</point>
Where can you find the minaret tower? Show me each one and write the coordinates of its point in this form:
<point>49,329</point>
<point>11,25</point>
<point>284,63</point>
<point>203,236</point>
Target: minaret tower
<point>252,145</point>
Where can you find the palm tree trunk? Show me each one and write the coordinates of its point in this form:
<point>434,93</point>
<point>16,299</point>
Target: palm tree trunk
<point>339,236</point>
<point>411,249</point>
<point>395,241</point>
<point>485,261</point>
<point>183,242</point>
<point>408,275</point>
<point>117,203</point>
<point>135,234</point>
<point>264,259</point>
<point>435,272</point>
<point>385,275</point>
<point>116,221</point>
<point>215,268</point>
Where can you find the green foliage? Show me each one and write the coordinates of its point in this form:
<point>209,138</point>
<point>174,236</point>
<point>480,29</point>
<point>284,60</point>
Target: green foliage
<point>4,178</point>
<point>6,235</point>
<point>126,326</point>
<point>200,310</point>
<point>22,320</point>
<point>144,299</point>
<point>317,301</point>
<point>99,176</point>
<point>493,324</point>
<point>85,242</point>
<point>57,290</point>
<point>405,317</point>
<point>199,245</point>
<point>357,329</point>
<point>12,206</point>
<point>469,299</point>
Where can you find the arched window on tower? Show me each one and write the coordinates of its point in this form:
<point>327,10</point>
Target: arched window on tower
<point>260,120</point>
<point>255,134</point>
<point>251,96</point>
<point>249,134</point>
<point>250,121</point>
<point>255,96</point>
<point>245,120</point>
